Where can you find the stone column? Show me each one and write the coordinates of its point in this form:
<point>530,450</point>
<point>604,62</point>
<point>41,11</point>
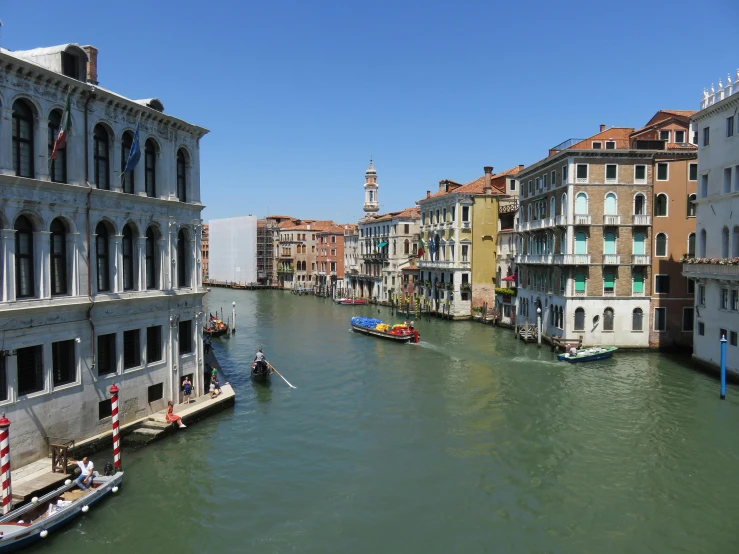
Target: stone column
<point>173,261</point>
<point>141,257</point>
<point>163,260</point>
<point>73,253</point>
<point>116,263</point>
<point>6,142</point>
<point>197,380</point>
<point>139,175</point>
<point>8,253</point>
<point>115,161</point>
<point>198,265</point>
<point>41,145</point>
<point>42,263</point>
<point>174,355</point>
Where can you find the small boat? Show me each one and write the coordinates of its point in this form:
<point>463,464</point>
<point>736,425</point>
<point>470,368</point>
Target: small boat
<point>217,328</point>
<point>260,372</point>
<point>377,328</point>
<point>352,301</point>
<point>588,354</point>
<point>35,520</point>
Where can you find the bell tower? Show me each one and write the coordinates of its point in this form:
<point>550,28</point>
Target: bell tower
<point>371,204</point>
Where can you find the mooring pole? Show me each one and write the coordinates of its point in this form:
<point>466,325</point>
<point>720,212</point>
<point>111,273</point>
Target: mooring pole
<point>233,317</point>
<point>5,463</point>
<point>116,439</point>
<point>723,367</point>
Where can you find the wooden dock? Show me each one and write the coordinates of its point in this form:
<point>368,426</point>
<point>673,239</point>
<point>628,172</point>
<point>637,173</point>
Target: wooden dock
<point>36,479</point>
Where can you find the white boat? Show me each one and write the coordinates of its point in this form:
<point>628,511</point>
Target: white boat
<point>36,520</point>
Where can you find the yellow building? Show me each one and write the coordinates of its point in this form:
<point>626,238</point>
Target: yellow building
<point>459,228</point>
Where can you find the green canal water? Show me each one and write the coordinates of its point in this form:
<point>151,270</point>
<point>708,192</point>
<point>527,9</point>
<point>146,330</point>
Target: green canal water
<point>469,442</point>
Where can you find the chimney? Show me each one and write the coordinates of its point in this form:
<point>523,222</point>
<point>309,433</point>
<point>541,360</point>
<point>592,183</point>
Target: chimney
<point>520,166</point>
<point>602,127</point>
<point>92,64</point>
<point>428,194</point>
<point>488,178</point>
<point>441,186</point>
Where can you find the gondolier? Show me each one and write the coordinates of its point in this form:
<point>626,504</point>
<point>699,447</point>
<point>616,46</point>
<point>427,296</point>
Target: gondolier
<point>260,368</point>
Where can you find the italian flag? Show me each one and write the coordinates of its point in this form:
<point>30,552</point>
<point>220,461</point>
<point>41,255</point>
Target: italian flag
<point>421,248</point>
<point>66,124</point>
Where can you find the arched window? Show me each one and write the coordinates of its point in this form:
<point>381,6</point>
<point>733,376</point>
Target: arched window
<point>128,280</point>
<point>150,168</point>
<point>101,154</point>
<point>58,166</point>
<point>530,213</point>
<point>611,207</point>
<point>552,206</point>
<point>636,319</point>
<point>610,243</point>
<point>181,176</point>
<point>735,242</point>
<point>564,203</point>
<point>579,319</point>
<point>609,282</point>
<point>102,247</point>
<point>691,245</point>
<point>152,275</point>
<point>640,204</point>
<point>581,203</point>
<point>24,275</point>
<point>128,176</point>
<point>638,243</point>
<point>182,280</point>
<point>725,242</point>
<point>579,283</point>
<point>702,245</point>
<point>581,243</point>
<point>608,319</point>
<point>660,205</point>
<point>406,247</point>
<point>691,205</point>
<point>22,139</point>
<point>395,248</point>
<point>660,245</point>
<point>58,257</point>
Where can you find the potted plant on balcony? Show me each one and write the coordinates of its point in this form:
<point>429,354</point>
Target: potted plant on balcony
<point>465,287</point>
<point>450,286</point>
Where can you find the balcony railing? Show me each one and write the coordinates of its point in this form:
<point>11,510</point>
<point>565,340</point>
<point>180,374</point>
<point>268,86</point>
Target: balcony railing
<point>719,271</point>
<point>465,225</point>
<point>640,259</point>
<point>572,259</point>
<point>428,264</point>
<point>611,220</point>
<point>611,259</point>
<point>560,220</point>
<point>642,219</point>
<point>535,258</point>
<point>582,219</point>
<point>579,293</point>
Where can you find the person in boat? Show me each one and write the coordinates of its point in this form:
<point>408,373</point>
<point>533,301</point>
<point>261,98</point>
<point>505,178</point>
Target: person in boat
<point>260,362</point>
<point>171,417</point>
<point>405,323</point>
<point>573,350</point>
<point>411,325</point>
<point>86,473</point>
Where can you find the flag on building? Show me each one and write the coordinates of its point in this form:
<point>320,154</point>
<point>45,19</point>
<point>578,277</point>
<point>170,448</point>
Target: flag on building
<point>421,248</point>
<point>64,127</point>
<point>135,154</point>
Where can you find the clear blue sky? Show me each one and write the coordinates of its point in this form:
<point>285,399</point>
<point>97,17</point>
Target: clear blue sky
<point>298,95</point>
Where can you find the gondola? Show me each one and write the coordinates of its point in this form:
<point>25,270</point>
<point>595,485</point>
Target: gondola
<point>35,520</point>
<point>260,372</point>
<point>217,329</point>
<point>352,301</point>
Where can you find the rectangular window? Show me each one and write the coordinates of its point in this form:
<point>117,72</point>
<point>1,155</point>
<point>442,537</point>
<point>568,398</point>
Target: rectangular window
<point>722,333</point>
<point>691,286</point>
<point>63,362</point>
<point>704,186</point>
<point>30,370</point>
<point>407,228</point>
<point>3,378</point>
<point>732,338</point>
<point>185,337</point>
<point>724,299</point>
<point>662,171</point>
<point>465,249</point>
<point>545,178</point>
<point>610,145</point>
<point>105,409</point>
<point>155,392</point>
<point>611,173</point>
<point>131,348</point>
<point>695,137</point>
<point>106,354</point>
<point>640,173</point>
<point>582,173</point>
<point>680,137</point>
<point>688,318</point>
<point>465,213</point>
<point>609,282</point>
<point>564,174</point>
<point>735,300</point>
<point>730,126</point>
<point>597,145</point>
<point>554,179</point>
<point>701,328</point>
<point>706,136</point>
<point>701,295</point>
<point>693,172</point>
<point>660,319</point>
<point>530,187</point>
<point>513,188</point>
<point>661,284</point>
<point>664,135</point>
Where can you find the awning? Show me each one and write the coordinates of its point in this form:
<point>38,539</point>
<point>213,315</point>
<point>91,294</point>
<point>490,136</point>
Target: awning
<point>383,244</point>
<point>510,278</point>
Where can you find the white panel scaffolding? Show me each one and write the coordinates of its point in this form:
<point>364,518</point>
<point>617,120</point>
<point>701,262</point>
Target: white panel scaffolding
<point>233,250</point>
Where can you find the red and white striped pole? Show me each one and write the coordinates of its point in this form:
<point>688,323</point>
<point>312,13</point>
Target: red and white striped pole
<point>5,464</point>
<point>116,438</point>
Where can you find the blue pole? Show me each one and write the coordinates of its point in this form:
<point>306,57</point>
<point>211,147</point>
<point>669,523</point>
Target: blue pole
<point>723,367</point>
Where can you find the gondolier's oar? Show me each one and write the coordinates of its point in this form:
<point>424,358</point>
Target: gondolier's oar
<point>280,374</point>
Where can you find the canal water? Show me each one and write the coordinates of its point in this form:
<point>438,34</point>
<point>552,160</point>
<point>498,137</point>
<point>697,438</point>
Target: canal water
<point>468,442</point>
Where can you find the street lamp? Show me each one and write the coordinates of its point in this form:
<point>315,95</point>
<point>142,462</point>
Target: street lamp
<point>538,326</point>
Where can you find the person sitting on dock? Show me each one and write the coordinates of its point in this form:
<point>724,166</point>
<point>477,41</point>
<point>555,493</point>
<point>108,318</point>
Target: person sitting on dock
<point>170,417</point>
<point>86,473</point>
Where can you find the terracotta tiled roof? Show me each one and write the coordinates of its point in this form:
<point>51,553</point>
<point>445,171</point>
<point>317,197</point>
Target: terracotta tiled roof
<point>618,134</point>
<point>408,213</point>
<point>410,268</point>
<point>681,146</point>
<point>682,113</point>
<point>478,185</point>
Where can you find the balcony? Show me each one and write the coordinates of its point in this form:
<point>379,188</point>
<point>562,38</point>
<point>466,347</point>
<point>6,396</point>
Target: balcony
<point>285,270</point>
<point>582,219</point>
<point>466,225</point>
<point>560,220</point>
<point>572,259</point>
<point>640,259</point>
<point>611,220</point>
<point>535,259</point>
<point>712,271</point>
<point>642,219</point>
<point>436,264</point>
<point>611,259</point>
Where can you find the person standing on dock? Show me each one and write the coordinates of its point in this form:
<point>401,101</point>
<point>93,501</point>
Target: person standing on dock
<point>186,390</point>
<point>86,473</point>
<point>206,344</point>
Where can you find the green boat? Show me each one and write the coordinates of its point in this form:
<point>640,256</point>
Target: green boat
<point>588,354</point>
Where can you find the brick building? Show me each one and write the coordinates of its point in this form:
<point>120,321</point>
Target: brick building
<point>330,259</point>
<point>205,252</point>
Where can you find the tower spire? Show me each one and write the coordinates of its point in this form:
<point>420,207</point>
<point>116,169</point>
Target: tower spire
<point>371,204</point>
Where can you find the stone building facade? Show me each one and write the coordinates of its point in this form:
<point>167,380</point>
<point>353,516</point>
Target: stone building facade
<point>330,259</point>
<point>101,280</point>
